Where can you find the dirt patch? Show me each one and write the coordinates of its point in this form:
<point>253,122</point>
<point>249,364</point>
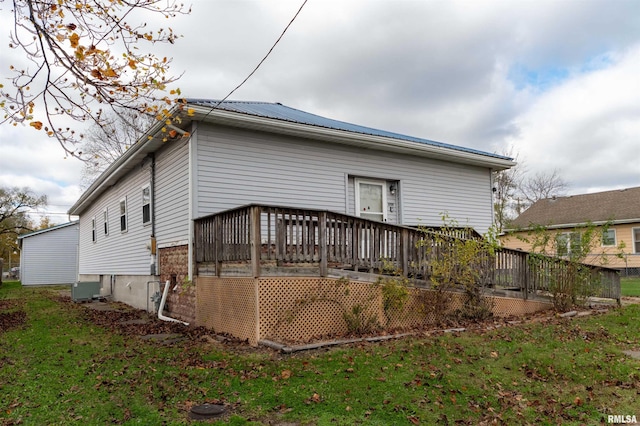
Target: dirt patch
<point>9,320</point>
<point>628,300</point>
<point>123,319</point>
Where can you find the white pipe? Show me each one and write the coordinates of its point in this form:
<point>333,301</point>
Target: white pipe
<point>164,299</point>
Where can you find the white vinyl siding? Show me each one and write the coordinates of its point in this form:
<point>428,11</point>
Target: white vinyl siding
<point>171,197</point>
<point>123,252</point>
<point>50,256</point>
<point>237,167</point>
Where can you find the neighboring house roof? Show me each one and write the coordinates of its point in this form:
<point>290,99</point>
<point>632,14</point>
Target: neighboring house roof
<point>42,231</point>
<point>277,118</point>
<point>618,206</point>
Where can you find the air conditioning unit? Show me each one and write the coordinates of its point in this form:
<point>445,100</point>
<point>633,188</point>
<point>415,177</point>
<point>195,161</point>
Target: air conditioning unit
<point>85,291</point>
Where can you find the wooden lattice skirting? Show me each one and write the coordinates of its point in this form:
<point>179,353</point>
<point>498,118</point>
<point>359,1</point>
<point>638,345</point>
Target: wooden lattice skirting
<point>301,309</point>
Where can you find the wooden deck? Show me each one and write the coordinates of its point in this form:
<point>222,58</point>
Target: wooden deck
<point>259,240</point>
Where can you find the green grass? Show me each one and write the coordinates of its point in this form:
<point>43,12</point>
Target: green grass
<point>61,369</point>
<point>630,286</point>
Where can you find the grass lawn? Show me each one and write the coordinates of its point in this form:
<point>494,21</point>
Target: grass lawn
<point>630,286</point>
<point>59,367</point>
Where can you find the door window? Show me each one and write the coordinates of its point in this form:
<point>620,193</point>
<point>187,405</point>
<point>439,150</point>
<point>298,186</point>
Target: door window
<point>371,200</point>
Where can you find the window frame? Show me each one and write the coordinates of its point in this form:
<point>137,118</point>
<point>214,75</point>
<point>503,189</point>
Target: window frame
<point>636,243</point>
<point>124,222</point>
<point>383,185</point>
<point>615,237</point>
<point>94,234</point>
<point>105,221</point>
<point>149,214</point>
<point>570,242</point>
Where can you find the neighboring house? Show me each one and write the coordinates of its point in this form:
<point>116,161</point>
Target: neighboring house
<point>50,256</point>
<point>137,218</point>
<point>616,213</point>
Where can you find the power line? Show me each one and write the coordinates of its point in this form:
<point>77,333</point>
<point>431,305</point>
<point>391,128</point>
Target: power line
<point>263,59</point>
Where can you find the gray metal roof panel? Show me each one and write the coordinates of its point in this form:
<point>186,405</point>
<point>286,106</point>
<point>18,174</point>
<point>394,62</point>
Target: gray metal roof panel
<point>278,111</point>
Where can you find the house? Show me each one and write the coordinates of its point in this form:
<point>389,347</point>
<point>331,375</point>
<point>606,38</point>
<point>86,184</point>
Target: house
<point>50,256</point>
<point>616,214</point>
<point>138,219</point>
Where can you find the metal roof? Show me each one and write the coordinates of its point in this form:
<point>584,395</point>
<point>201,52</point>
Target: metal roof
<point>281,112</point>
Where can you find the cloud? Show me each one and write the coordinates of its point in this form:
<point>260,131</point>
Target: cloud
<point>588,127</point>
<point>556,80</point>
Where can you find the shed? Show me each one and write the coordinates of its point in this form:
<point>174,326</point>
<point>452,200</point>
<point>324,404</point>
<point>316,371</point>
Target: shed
<point>50,256</point>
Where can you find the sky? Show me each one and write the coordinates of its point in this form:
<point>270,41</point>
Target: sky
<point>555,84</point>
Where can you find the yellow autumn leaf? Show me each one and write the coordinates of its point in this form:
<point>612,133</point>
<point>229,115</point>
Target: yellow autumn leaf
<point>74,39</point>
<point>191,112</point>
<point>36,124</point>
<point>110,73</point>
<point>132,64</point>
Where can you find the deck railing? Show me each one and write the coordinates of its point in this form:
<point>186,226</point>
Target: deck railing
<point>257,235</point>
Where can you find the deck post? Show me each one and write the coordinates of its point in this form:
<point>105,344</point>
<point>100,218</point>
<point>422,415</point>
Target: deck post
<point>404,252</point>
<point>256,243</point>
<point>217,244</point>
<point>322,242</point>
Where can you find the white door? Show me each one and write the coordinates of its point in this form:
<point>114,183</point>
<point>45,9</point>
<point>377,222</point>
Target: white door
<point>371,199</point>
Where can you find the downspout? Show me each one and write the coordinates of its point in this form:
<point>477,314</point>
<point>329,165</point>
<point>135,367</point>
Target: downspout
<point>153,269</point>
<point>162,302</point>
<point>193,202</point>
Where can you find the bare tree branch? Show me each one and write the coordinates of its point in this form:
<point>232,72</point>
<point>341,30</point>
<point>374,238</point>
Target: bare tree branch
<point>87,56</point>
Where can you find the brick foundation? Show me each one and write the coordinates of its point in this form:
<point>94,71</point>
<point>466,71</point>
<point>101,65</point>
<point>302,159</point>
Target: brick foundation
<point>174,267</point>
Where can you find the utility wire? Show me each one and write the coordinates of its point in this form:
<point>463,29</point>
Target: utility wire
<point>260,63</point>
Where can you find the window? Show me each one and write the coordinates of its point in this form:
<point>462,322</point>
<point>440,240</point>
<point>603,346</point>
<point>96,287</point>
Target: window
<point>123,215</point>
<point>371,199</point>
<point>105,220</point>
<point>568,243</point>
<point>609,237</point>
<point>636,240</point>
<point>93,229</point>
<point>146,205</point>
